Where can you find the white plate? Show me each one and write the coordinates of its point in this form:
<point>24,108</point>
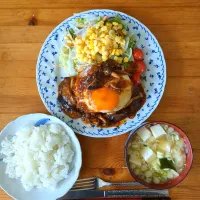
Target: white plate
<point>14,187</point>
<point>49,76</point>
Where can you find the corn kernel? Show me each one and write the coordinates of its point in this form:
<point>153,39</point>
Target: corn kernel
<point>87,41</point>
<point>108,24</point>
<point>108,42</point>
<point>110,51</point>
<point>94,56</point>
<point>106,36</point>
<point>89,31</point>
<point>115,45</point>
<point>106,31</point>
<point>91,46</point>
<point>99,43</point>
<point>124,31</point>
<point>125,59</point>
<point>81,54</point>
<point>69,42</point>
<point>100,51</point>
<point>119,60</point>
<point>95,42</point>
<point>93,53</point>
<point>104,28</point>
<point>104,58</point>
<point>122,42</point>
<point>92,36</point>
<point>96,48</point>
<point>102,35</point>
<point>78,54</point>
<point>115,58</point>
<point>117,52</point>
<point>103,48</point>
<point>85,59</point>
<point>78,50</point>
<point>97,26</point>
<point>111,33</point>
<point>120,51</point>
<point>90,60</point>
<point>86,48</point>
<point>113,52</point>
<point>101,23</point>
<point>117,39</point>
<point>120,26</point>
<point>87,51</point>
<point>98,58</point>
<point>115,28</point>
<point>93,29</point>
<point>115,23</point>
<point>105,53</point>
<point>104,41</point>
<point>67,38</point>
<point>81,59</point>
<point>78,41</point>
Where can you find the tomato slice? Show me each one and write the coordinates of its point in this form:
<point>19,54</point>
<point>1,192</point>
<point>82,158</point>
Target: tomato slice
<point>138,54</point>
<point>141,67</point>
<point>136,78</point>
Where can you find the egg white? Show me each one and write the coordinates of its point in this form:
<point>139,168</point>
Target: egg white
<point>124,98</point>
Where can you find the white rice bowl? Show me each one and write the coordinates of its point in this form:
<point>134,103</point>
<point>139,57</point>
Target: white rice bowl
<point>42,167</point>
<point>39,156</point>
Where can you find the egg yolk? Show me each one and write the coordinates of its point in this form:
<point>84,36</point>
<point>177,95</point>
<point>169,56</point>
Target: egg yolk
<point>105,99</point>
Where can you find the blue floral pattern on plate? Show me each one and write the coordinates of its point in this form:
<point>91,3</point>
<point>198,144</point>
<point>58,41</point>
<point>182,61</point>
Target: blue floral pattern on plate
<point>49,75</point>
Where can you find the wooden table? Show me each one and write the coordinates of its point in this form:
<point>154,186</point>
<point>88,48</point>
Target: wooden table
<point>176,24</point>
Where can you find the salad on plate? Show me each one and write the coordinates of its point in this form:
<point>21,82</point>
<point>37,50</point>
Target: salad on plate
<point>92,40</point>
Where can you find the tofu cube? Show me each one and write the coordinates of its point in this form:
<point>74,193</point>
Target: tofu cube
<point>160,154</point>
<point>174,173</point>
<point>148,154</point>
<point>164,146</point>
<point>144,133</point>
<point>157,131</point>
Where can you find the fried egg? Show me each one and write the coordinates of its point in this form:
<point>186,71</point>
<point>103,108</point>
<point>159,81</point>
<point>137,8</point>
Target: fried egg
<point>106,99</point>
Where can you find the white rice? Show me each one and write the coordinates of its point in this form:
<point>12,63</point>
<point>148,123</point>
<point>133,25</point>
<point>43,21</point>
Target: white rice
<point>39,156</point>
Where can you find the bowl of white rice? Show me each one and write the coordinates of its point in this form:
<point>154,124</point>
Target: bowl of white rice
<point>40,158</point>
